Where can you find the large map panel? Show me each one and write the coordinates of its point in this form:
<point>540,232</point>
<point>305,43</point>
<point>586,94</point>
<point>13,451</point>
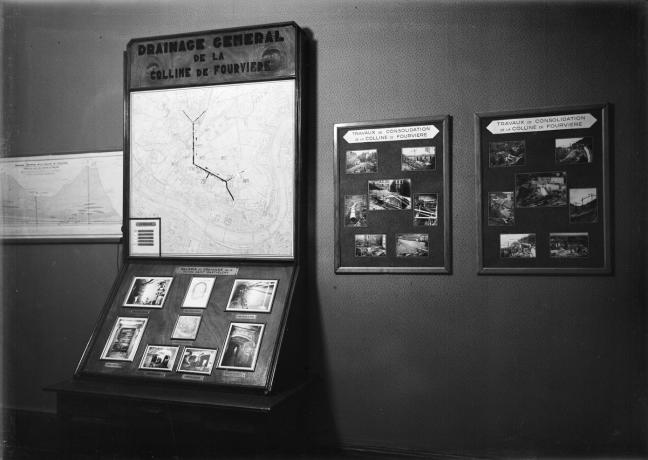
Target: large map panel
<point>217,165</point>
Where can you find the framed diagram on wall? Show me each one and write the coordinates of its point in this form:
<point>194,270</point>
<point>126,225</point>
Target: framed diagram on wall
<point>392,196</point>
<point>543,191</point>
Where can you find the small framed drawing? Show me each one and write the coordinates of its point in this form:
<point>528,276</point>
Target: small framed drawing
<point>198,292</point>
<point>186,327</point>
<point>197,360</point>
<point>543,191</point>
<point>392,196</point>
<point>124,339</point>
<point>159,358</point>
<point>149,292</point>
<point>241,346</point>
<point>252,295</point>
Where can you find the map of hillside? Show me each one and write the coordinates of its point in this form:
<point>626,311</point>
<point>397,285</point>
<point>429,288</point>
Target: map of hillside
<point>216,164</point>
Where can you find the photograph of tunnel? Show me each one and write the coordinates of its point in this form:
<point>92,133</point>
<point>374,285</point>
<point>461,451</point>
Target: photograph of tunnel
<point>241,346</point>
<point>252,295</point>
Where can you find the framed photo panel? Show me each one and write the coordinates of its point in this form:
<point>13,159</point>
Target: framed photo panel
<point>543,191</point>
<point>392,196</point>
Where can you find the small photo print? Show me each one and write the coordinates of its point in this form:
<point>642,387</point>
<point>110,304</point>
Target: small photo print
<point>252,295</point>
<point>124,339</point>
<point>361,161</point>
<point>583,206</point>
<point>574,150</point>
<point>371,245</point>
<point>418,159</point>
<point>186,327</point>
<point>147,292</point>
<point>517,245</point>
<point>500,208</point>
<point>355,210</point>
<point>412,245</point>
<point>426,207</point>
<point>198,293</point>
<point>159,358</point>
<point>241,346</point>
<point>390,194</point>
<point>197,360</point>
<point>568,245</point>
<point>506,153</point>
<point>535,190</point>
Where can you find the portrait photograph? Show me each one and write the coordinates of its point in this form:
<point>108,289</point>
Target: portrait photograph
<point>583,206</point>
<point>412,245</point>
<point>501,210</point>
<point>517,245</point>
<point>569,245</point>
<point>426,209</point>
<point>124,339</point>
<point>198,292</point>
<point>148,292</point>
<point>241,346</point>
<point>574,150</point>
<point>548,189</point>
<point>186,327</point>
<point>355,210</point>
<point>252,295</point>
<point>197,360</point>
<point>159,358</point>
<point>505,154</point>
<point>418,159</point>
<point>390,194</point>
<point>371,245</point>
<point>361,161</point>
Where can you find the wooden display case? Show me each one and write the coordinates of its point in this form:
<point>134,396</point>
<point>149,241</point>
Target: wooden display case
<point>212,195</point>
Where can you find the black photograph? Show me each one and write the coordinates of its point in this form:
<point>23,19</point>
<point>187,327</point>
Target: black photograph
<point>574,150</point>
<point>426,207</point>
<point>159,358</point>
<point>418,159</point>
<point>124,339</point>
<point>197,360</point>
<point>355,210</point>
<point>361,161</point>
<point>148,292</point>
<point>583,206</point>
<point>198,292</point>
<point>507,153</point>
<point>500,208</point>
<point>241,346</point>
<point>412,245</point>
<point>390,194</point>
<point>186,327</point>
<point>252,295</point>
<point>545,189</point>
<point>371,245</point>
<point>569,245</point>
<point>517,245</point>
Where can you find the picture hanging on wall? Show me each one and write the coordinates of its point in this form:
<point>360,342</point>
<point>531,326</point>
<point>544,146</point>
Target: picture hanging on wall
<point>543,191</point>
<point>392,196</point>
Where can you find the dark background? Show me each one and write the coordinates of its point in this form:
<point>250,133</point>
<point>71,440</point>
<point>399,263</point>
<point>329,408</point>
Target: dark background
<point>460,363</point>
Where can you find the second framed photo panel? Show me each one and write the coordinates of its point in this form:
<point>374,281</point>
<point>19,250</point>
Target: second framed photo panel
<point>543,191</point>
<point>392,196</point>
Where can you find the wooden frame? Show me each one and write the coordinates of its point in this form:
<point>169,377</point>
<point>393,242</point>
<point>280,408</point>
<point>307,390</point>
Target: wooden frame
<point>392,196</point>
<point>543,191</point>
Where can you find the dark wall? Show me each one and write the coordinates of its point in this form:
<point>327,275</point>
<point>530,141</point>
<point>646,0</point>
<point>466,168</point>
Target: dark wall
<point>460,363</point>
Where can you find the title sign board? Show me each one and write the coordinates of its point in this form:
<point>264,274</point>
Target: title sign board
<point>224,56</point>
